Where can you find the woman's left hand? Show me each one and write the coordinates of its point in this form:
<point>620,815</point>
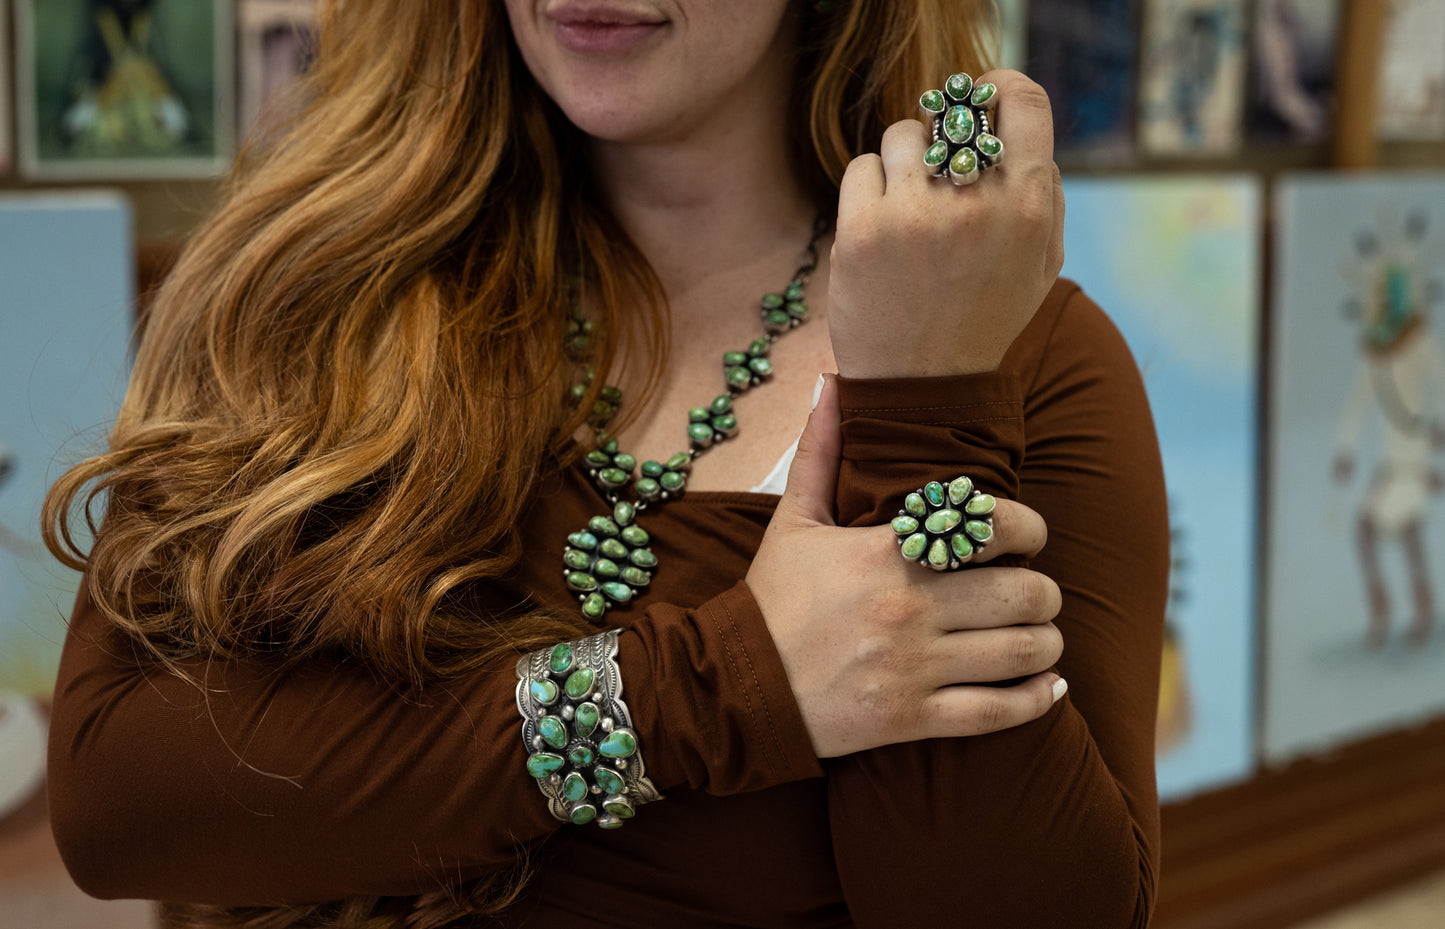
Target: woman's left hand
<point>928,279</point>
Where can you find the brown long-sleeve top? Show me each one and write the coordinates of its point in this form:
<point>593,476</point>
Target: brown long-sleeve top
<point>320,782</point>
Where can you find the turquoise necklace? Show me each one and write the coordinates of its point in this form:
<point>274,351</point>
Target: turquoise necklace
<point>609,562</point>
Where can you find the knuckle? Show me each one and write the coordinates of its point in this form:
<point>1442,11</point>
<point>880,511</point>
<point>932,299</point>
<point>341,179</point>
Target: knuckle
<point>1027,653</point>
<point>990,714</point>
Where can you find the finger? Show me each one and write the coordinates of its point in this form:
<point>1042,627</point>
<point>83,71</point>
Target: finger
<point>1017,530</point>
<point>986,655</point>
<point>1024,119</point>
<point>862,185</point>
<point>964,711</point>
<point>1054,258</point>
<point>902,152</point>
<point>813,476</point>
<point>990,598</point>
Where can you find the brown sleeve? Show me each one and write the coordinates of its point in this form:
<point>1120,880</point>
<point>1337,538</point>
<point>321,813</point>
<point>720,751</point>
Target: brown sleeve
<point>1054,823</point>
<point>319,782</point>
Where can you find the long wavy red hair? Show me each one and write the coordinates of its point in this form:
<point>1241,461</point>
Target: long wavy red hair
<point>349,383</point>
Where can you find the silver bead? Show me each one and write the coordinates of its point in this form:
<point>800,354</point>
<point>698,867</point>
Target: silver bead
<point>568,712</point>
<point>537,742</point>
<point>607,724</point>
<point>621,764</point>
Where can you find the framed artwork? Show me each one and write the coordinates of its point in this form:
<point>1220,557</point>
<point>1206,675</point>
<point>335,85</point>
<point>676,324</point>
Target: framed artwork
<point>1083,54</point>
<point>6,95</point>
<point>1412,71</point>
<point>1011,37</point>
<point>277,40</point>
<point>117,89</point>
<point>1355,630</point>
<point>1295,45</point>
<point>1176,262</point>
<point>1192,76</point>
<point>66,306</point>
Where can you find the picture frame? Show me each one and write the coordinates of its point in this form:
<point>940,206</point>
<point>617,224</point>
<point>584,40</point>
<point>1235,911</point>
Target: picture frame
<point>276,42</point>
<point>125,89</point>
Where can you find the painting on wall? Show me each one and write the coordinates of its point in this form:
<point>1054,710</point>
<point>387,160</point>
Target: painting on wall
<point>1293,62</point>
<point>1355,633</point>
<point>66,306</point>
<point>1411,86</point>
<point>277,40</point>
<point>1011,36</point>
<point>115,89</point>
<point>1084,56</point>
<point>1176,263</point>
<point>1191,94</point>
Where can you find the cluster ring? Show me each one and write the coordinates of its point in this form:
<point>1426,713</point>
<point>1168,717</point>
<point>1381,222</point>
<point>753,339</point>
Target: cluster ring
<point>943,525</point>
<point>960,119</point>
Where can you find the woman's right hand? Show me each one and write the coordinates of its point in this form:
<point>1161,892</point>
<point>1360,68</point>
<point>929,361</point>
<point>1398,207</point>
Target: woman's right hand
<point>879,650</point>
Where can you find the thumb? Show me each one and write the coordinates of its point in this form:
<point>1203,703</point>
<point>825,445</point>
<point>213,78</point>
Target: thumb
<point>813,476</point>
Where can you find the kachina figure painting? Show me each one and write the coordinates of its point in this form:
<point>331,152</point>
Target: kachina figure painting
<point>125,88</point>
<point>1356,551</point>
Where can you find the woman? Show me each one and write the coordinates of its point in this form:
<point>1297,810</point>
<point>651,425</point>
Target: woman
<point>348,474</point>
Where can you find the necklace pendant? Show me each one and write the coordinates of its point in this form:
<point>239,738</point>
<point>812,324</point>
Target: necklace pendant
<point>608,467</point>
<point>786,310</point>
<point>749,368</point>
<point>609,562</point>
<point>663,481</point>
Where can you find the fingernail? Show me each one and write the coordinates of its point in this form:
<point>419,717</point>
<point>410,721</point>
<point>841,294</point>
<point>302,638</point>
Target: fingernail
<point>1061,687</point>
<point>817,391</point>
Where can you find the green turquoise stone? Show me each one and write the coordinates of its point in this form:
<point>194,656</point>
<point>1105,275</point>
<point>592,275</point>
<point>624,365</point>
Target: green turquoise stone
<point>652,469</point>
<point>958,125</point>
<point>609,780</point>
<point>959,86</point>
<point>574,788</point>
<point>982,505</point>
<point>936,154</point>
<point>963,163</point>
<point>552,731</point>
<point>978,530</point>
<point>984,95</point>
<point>594,606</point>
<point>721,404</point>
<point>798,310</point>
<point>576,560</point>
<point>621,743</point>
<point>962,547</point>
<point>673,481</point>
<point>605,569</point>
<point>625,461</point>
<point>598,458</point>
<point>619,807</point>
<point>913,503</point>
<point>931,101</point>
<point>643,558</point>
<point>958,490</point>
<point>542,764</point>
<point>611,548</point>
<point>582,755</point>
<point>933,493</point>
<point>759,347</point>
<point>581,582</point>
<point>623,513</point>
<point>545,692</point>
<point>777,319</point>
<point>636,577</point>
<point>701,434</point>
<point>582,814</point>
<point>579,683</point>
<point>611,394</point>
<point>794,291</point>
<point>990,145</point>
<point>772,301</point>
<point>938,554</point>
<point>682,461</point>
<point>914,545</point>
<point>620,593</point>
<point>739,377</point>
<point>586,719</point>
<point>647,488</point>
<point>602,525</point>
<point>561,658</point>
<point>761,366</point>
<point>731,359</point>
<point>635,536</point>
<point>905,525</point>
<point>697,414</point>
<point>727,425</point>
<point>943,521</point>
<point>613,477</point>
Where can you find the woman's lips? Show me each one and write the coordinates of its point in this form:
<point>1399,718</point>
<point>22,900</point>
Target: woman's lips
<point>599,33</point>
